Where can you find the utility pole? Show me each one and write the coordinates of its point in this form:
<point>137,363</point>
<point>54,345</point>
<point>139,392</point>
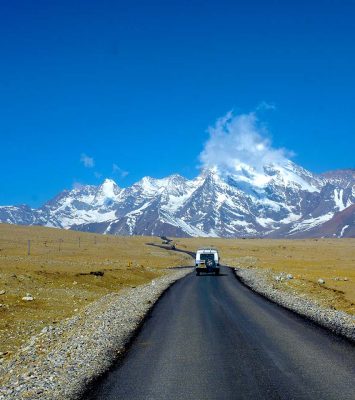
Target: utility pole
<point>28,247</point>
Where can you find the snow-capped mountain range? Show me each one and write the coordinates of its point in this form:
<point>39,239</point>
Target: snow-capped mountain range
<point>281,200</point>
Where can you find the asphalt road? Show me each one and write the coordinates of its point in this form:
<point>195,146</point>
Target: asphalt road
<point>212,338</point>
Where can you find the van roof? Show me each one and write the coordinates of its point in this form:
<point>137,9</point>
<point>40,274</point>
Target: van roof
<point>207,249</point>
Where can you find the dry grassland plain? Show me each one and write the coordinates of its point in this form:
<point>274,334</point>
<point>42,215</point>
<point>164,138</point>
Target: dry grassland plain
<point>64,271</point>
<point>332,260</point>
<point>60,274</point>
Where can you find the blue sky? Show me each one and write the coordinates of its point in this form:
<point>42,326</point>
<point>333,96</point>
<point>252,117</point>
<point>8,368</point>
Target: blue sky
<point>124,89</point>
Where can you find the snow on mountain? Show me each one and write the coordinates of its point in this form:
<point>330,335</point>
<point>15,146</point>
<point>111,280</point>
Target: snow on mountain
<point>22,215</point>
<point>341,225</point>
<point>343,178</point>
<point>107,193</point>
<point>280,200</point>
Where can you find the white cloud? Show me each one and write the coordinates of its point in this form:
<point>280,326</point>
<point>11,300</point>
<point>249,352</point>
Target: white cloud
<point>264,105</point>
<point>117,170</point>
<point>239,141</point>
<point>87,161</point>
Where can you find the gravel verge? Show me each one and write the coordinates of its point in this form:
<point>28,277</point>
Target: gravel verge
<point>59,362</point>
<point>337,321</point>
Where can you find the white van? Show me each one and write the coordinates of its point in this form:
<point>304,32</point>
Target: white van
<point>207,260</point>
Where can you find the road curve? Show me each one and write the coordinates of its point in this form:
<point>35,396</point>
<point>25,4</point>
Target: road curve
<point>212,338</point>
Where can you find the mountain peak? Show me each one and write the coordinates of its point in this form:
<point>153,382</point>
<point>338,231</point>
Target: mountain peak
<point>210,172</point>
<point>282,199</point>
<point>109,181</point>
<point>176,177</point>
<point>109,188</point>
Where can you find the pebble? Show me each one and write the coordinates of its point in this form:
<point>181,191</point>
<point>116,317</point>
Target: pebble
<point>2,291</point>
<point>337,321</point>
<point>28,297</point>
<point>283,276</point>
<point>321,281</point>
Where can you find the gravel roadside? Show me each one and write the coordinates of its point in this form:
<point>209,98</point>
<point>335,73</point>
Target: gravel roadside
<point>259,281</point>
<point>60,361</point>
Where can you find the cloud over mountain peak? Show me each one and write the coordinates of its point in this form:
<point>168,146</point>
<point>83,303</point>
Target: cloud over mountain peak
<point>240,141</point>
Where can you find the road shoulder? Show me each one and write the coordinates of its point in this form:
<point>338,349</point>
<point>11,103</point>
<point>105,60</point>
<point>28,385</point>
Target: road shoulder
<point>337,321</point>
<point>63,359</point>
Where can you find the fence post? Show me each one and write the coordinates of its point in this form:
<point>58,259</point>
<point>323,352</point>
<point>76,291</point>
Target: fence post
<point>28,247</point>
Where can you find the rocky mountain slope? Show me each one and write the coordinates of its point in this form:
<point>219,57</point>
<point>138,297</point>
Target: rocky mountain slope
<point>281,200</point>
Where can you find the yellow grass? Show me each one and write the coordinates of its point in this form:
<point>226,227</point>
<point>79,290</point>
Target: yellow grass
<point>307,260</point>
<point>57,272</point>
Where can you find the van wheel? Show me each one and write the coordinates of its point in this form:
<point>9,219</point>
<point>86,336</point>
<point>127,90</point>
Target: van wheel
<point>217,272</point>
<point>198,273</point>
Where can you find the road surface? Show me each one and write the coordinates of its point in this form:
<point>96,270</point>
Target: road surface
<point>212,338</point>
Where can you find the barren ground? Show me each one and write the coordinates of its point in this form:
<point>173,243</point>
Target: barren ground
<point>57,273</point>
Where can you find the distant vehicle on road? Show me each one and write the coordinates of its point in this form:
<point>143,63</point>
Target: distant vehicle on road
<point>207,260</point>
